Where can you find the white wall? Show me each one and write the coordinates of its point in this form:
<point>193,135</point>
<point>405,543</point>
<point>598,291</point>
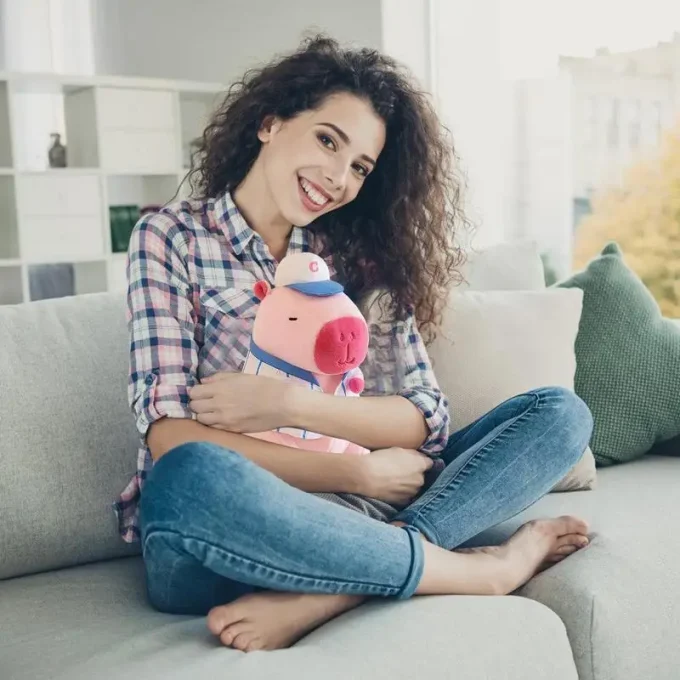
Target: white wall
<point>406,36</point>
<point>216,40</point>
<point>476,104</point>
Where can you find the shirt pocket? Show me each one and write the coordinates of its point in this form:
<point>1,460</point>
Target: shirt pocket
<point>229,316</point>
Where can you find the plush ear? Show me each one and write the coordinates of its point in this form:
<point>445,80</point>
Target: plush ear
<point>261,290</point>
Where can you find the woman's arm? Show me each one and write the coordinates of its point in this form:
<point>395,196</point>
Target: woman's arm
<point>373,422</point>
<point>414,414</point>
<point>306,470</point>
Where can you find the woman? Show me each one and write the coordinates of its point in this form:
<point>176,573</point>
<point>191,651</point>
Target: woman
<point>336,152</point>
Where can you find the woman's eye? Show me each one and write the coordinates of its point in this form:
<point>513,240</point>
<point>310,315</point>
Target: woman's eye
<point>326,141</point>
<point>362,170</point>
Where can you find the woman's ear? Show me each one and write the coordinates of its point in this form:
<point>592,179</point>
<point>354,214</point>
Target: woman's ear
<point>269,127</point>
<point>261,290</point>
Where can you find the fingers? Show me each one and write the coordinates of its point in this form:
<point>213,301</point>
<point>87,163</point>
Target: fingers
<point>427,462</point>
<point>216,377</point>
<point>201,392</point>
<point>201,405</point>
<point>208,418</point>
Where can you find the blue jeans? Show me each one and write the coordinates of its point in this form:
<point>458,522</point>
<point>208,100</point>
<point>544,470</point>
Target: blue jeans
<point>215,526</point>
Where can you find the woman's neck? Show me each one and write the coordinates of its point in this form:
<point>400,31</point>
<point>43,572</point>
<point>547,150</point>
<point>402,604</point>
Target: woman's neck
<point>257,206</point>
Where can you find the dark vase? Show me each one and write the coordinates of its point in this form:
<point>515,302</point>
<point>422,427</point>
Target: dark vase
<point>57,152</point>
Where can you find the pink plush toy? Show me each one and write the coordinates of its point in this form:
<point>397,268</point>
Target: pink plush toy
<point>308,331</point>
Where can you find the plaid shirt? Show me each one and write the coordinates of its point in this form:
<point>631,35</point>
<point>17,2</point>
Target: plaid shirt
<point>191,270</point>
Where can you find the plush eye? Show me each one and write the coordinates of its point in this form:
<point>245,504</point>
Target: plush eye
<point>292,318</point>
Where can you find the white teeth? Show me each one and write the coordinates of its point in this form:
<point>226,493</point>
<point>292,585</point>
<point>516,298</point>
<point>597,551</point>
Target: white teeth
<point>316,197</point>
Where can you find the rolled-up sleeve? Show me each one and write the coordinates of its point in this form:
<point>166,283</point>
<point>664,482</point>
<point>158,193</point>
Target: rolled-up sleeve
<point>163,352</point>
<point>397,363</point>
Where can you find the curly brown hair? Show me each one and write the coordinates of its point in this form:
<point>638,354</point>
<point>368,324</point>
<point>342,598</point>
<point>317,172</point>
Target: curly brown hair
<point>399,233</point>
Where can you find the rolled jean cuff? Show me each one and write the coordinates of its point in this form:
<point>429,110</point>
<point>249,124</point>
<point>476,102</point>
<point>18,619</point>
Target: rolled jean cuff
<point>416,521</point>
<point>417,564</point>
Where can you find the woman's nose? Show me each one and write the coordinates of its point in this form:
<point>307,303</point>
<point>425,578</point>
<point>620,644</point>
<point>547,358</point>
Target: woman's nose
<point>337,176</point>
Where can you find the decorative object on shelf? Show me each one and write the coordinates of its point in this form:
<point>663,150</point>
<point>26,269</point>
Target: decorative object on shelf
<point>57,152</point>
<point>122,219</point>
<point>51,281</point>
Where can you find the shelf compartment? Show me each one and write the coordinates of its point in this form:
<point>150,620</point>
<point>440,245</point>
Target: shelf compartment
<point>137,130</point>
<point>62,279</point>
<point>5,134</point>
<point>10,285</point>
<point>195,110</point>
<point>117,273</point>
<point>61,217</point>
<point>134,192</point>
<point>42,107</point>
<point>9,234</point>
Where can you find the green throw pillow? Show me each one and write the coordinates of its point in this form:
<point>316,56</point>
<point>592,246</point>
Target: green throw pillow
<point>627,361</point>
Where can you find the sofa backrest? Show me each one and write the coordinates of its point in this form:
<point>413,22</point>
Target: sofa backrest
<point>67,437</point>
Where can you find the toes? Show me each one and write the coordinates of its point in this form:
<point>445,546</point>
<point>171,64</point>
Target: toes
<point>573,525</point>
<point>220,617</point>
<point>232,633</point>
<point>554,559</point>
<point>254,645</point>
<point>565,550</point>
<point>243,640</point>
<point>576,540</point>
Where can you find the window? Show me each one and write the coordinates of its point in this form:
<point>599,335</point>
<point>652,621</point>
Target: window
<point>635,125</point>
<point>590,121</point>
<point>613,125</point>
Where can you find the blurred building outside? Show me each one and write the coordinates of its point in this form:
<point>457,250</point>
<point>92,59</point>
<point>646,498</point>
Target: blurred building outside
<point>578,133</point>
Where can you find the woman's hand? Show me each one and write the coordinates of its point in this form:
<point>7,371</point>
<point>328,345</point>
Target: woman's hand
<point>240,402</point>
<point>393,475</point>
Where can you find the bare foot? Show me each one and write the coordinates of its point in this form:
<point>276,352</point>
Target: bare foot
<point>274,620</point>
<point>535,547</point>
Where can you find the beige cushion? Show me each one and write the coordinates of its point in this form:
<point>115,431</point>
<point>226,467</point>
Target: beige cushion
<point>494,345</point>
<point>504,266</point>
<point>68,443</point>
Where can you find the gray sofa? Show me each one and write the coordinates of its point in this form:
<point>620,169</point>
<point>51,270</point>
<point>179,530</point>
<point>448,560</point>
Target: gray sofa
<point>72,595</point>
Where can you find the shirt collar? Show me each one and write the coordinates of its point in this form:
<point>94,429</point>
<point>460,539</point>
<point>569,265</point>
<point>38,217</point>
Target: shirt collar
<point>230,220</point>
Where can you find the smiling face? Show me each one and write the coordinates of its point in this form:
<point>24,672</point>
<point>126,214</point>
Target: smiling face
<point>318,161</point>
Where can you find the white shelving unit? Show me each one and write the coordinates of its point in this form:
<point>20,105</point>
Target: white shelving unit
<point>127,143</point>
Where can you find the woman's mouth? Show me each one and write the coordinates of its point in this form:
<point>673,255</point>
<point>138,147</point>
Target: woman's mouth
<point>312,198</point>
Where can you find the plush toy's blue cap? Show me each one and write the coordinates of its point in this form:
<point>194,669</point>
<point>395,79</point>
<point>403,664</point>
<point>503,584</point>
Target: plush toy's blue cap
<point>317,288</point>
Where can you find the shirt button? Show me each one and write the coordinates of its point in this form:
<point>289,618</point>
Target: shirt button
<point>149,378</point>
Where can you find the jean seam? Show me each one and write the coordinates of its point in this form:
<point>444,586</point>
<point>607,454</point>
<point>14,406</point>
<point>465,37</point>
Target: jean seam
<point>386,590</point>
<point>511,423</point>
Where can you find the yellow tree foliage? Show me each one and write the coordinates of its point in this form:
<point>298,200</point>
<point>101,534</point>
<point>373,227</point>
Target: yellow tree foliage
<point>643,216</point>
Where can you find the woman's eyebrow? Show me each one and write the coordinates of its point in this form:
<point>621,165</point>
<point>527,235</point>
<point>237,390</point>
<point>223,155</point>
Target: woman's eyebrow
<point>343,135</point>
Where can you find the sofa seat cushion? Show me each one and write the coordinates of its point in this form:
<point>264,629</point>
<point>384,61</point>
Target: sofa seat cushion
<point>620,597</point>
<point>93,622</point>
